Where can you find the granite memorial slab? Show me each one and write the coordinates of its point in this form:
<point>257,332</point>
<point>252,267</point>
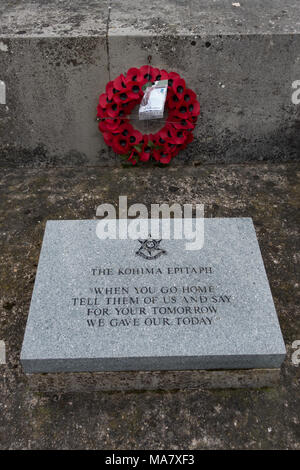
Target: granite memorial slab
<point>151,305</point>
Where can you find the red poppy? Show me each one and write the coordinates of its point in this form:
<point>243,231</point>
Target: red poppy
<point>161,75</point>
<point>103,100</point>
<point>112,124</point>
<point>179,136</point>
<point>173,99</point>
<point>162,155</point>
<point>125,128</point>
<point>133,75</point>
<point>181,111</point>
<point>194,108</point>
<point>155,73</point>
<point>146,150</point>
<point>169,132</point>
<point>113,110</point>
<point>152,138</point>
<point>120,144</point>
<point>102,126</point>
<point>179,123</point>
<point>172,148</point>
<point>161,136</point>
<point>101,113</point>
<point>189,96</point>
<point>122,97</point>
<point>108,137</point>
<point>188,140</point>
<point>119,83</point>
<point>110,90</point>
<point>134,136</point>
<point>165,158</point>
<point>171,77</point>
<point>178,86</point>
<point>148,74</point>
<point>134,90</point>
<point>145,157</point>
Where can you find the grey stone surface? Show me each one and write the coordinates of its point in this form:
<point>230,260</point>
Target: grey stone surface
<point>56,58</point>
<point>227,320</point>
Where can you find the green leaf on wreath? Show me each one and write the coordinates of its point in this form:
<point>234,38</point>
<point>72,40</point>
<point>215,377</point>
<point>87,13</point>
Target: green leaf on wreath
<point>138,147</point>
<point>151,144</point>
<point>147,85</point>
<point>125,156</point>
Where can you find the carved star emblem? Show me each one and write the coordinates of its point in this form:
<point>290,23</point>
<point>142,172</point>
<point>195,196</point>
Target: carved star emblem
<point>150,248</point>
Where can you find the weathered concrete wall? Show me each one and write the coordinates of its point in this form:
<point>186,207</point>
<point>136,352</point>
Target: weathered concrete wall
<point>52,88</point>
<point>56,57</point>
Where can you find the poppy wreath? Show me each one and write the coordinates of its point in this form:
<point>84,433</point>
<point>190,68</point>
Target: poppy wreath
<point>120,98</point>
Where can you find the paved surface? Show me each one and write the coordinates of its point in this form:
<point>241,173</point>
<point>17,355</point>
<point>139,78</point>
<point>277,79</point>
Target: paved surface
<point>199,419</point>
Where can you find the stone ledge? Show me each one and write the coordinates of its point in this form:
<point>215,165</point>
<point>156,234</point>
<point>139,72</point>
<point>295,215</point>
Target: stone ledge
<point>152,380</point>
<point>74,18</point>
